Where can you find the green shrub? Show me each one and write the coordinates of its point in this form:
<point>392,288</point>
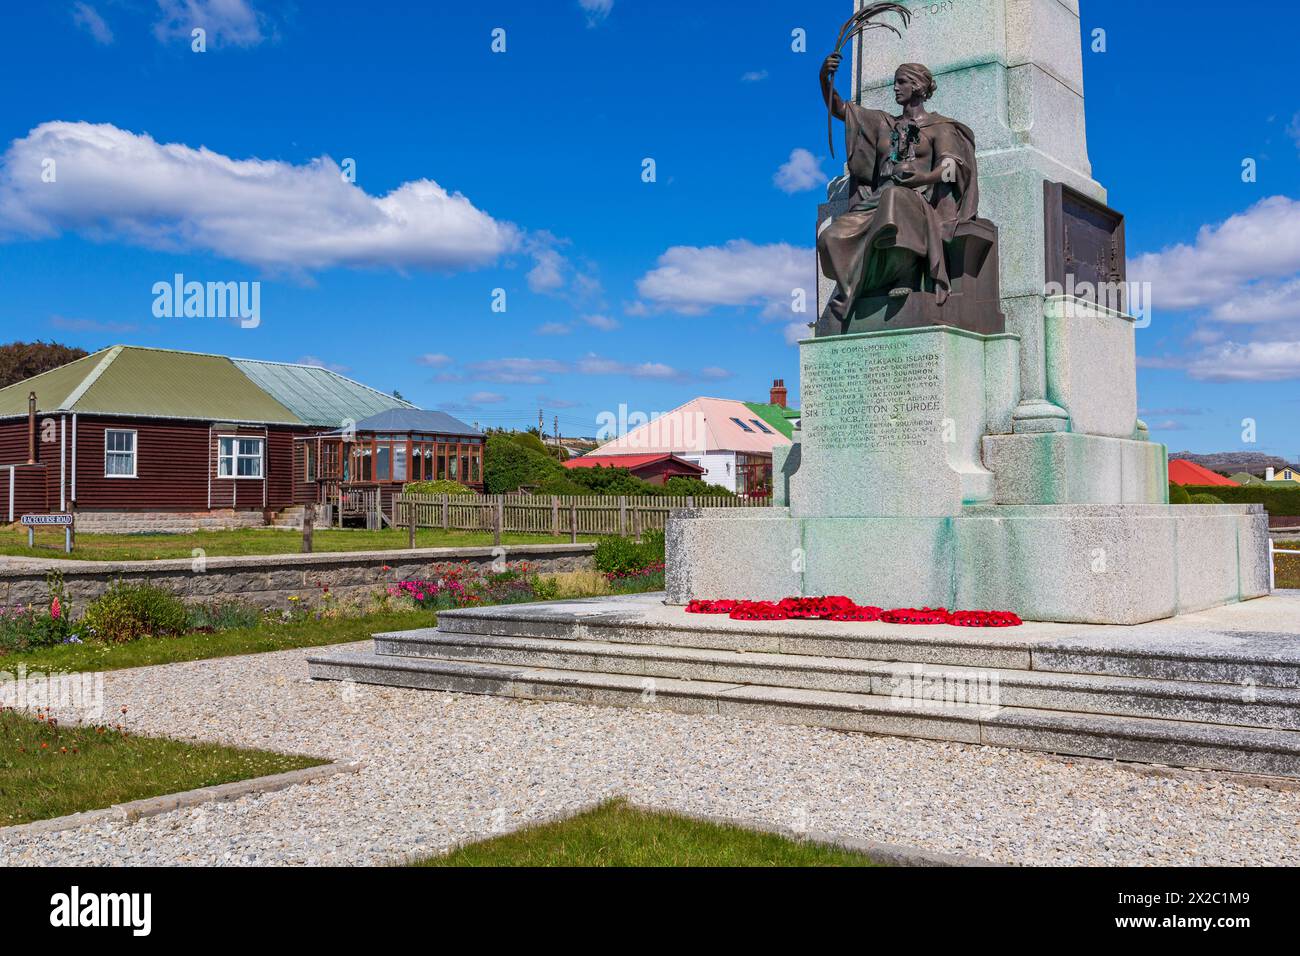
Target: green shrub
<point>1178,495</point>
<point>1204,499</point>
<point>1280,498</point>
<point>681,487</point>
<point>129,611</point>
<point>509,463</point>
<point>442,486</point>
<point>222,616</point>
<point>616,555</point>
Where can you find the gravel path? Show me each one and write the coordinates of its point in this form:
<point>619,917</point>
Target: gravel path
<point>442,769</point>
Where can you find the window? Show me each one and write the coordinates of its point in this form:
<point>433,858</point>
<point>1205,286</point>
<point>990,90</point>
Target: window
<point>760,426</point>
<point>743,425</point>
<point>239,457</point>
<point>309,461</point>
<point>119,453</point>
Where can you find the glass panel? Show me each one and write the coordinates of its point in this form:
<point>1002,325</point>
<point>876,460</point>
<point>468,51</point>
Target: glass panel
<point>451,467</point>
<point>399,462</point>
<point>383,454</point>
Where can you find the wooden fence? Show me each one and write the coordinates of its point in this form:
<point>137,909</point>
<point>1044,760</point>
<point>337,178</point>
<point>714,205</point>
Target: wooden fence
<point>574,515</point>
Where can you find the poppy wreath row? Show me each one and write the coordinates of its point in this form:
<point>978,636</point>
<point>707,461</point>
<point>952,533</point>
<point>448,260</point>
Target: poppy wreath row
<point>843,609</point>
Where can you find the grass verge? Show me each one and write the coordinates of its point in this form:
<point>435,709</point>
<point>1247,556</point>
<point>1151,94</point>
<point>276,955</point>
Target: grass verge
<point>1286,567</point>
<point>49,770</point>
<point>617,834</point>
<point>94,656</point>
<point>242,541</point>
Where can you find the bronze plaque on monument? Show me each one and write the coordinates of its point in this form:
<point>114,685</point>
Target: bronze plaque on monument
<point>1085,243</point>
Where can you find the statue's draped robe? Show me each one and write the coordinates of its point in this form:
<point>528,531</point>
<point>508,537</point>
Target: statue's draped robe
<point>860,248</point>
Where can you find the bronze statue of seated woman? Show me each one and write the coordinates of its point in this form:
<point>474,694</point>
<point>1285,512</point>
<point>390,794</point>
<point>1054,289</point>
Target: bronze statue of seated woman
<point>911,222</point>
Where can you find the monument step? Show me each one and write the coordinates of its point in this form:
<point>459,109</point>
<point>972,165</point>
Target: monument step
<point>1277,708</point>
<point>1197,648</point>
<point>1174,742</point>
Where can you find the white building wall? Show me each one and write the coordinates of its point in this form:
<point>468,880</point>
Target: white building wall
<point>719,467</point>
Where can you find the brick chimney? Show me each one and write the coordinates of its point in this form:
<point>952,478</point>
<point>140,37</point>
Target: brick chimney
<point>779,393</point>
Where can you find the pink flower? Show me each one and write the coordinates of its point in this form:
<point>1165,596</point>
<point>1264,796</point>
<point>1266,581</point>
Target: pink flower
<point>55,609</point>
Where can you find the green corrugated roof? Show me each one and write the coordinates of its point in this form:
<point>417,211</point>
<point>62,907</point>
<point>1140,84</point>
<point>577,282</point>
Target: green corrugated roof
<point>162,383</point>
<point>778,416</point>
<point>317,395</point>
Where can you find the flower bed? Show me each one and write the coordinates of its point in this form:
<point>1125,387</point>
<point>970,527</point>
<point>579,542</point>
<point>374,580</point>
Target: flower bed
<point>843,609</point>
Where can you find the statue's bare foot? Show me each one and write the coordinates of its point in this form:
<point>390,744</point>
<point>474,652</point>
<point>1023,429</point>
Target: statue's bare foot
<point>899,293</point>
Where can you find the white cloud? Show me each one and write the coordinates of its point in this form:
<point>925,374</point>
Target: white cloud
<point>517,370</point>
<point>485,398</point>
<point>753,76</point>
<point>88,18</point>
<point>318,362</point>
<point>596,10</point>
<point>232,22</point>
<point>554,328</point>
<point>434,360</point>
<point>1293,129</point>
<point>1248,362</point>
<point>1261,304</point>
<point>801,172</point>
<point>715,372</point>
<point>691,279</point>
<point>1226,260</point>
<point>114,184</point>
<point>602,322</point>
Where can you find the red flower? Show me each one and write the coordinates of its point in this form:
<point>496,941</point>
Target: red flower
<point>837,608</point>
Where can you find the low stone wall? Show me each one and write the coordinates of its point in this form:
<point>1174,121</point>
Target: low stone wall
<point>268,580</point>
<point>173,522</point>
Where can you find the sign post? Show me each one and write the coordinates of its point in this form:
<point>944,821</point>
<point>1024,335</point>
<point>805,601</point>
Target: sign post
<point>62,520</point>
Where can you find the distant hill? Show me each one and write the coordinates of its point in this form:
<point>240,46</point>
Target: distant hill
<point>1227,462</point>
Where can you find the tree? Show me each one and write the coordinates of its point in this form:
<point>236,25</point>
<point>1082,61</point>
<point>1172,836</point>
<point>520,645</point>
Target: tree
<point>22,360</point>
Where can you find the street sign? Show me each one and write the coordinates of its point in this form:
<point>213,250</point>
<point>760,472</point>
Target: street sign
<point>58,520</point>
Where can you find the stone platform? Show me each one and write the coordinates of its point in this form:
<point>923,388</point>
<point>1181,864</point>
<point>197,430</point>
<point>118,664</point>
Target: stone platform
<point>1086,564</point>
<point>1219,689</point>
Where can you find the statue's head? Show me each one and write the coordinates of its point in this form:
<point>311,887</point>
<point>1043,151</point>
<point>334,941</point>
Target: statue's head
<point>912,80</point>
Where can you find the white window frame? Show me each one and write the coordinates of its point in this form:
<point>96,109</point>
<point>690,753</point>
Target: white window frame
<point>236,456</point>
<point>135,451</point>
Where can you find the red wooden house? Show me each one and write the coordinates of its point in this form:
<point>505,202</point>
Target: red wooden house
<point>143,439</point>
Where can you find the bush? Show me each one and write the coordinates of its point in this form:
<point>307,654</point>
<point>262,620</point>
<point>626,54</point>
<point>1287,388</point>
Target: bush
<point>440,487</point>
<point>129,611</point>
<point>508,463</point>
<point>222,616</point>
<point>681,487</point>
<point>1204,499</point>
<point>1178,495</point>
<point>621,556</point>
<point>1281,498</point>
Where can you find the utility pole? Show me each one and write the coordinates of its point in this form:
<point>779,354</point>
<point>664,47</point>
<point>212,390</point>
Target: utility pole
<point>541,424</point>
<point>557,429</point>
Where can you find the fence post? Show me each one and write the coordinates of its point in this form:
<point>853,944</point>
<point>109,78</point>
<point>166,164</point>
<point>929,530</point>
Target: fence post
<point>622,516</point>
<point>446,512</point>
<point>498,519</point>
<point>555,515</point>
<point>308,527</point>
<point>573,522</point>
<point>410,517</point>
<point>690,501</point>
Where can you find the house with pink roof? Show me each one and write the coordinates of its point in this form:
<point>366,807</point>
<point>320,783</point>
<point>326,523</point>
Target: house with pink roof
<point>730,439</point>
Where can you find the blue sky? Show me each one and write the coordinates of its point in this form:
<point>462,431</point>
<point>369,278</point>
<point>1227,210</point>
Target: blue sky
<point>222,166</point>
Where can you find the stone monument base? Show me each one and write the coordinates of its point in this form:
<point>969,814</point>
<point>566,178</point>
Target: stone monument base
<point>1084,564</point>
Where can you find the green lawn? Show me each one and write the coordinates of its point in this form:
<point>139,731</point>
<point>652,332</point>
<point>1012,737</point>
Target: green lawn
<point>94,656</point>
<point>616,834</point>
<point>48,770</point>
<point>145,547</point>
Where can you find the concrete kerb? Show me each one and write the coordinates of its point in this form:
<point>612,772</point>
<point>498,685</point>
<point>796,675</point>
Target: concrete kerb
<point>153,806</point>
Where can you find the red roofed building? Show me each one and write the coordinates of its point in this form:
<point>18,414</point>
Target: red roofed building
<point>654,468</point>
<point>1184,472</point>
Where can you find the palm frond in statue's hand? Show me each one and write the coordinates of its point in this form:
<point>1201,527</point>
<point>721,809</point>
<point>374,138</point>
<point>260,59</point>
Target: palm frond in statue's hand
<point>859,23</point>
